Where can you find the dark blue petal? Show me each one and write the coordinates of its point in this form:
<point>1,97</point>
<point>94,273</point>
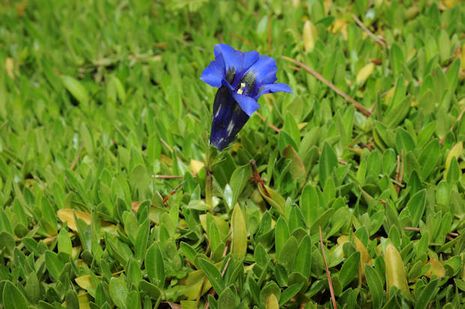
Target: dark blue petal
<point>228,119</point>
<point>264,71</point>
<point>248,59</point>
<point>247,104</point>
<point>214,73</point>
<point>232,58</point>
<point>271,88</point>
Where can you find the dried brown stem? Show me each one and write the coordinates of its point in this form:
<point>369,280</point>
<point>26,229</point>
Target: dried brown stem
<point>377,38</point>
<point>450,235</point>
<point>167,176</point>
<point>76,159</point>
<point>362,109</point>
<point>173,192</point>
<point>328,274</point>
<point>272,126</point>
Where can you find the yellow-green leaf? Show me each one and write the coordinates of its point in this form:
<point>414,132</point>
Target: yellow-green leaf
<point>395,270</point>
<point>271,302</point>
<point>454,152</point>
<point>238,233</point>
<point>77,90</point>
<point>364,73</point>
<point>309,36</point>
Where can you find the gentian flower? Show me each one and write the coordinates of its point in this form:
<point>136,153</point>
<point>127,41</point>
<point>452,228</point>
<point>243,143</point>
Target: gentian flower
<point>241,78</point>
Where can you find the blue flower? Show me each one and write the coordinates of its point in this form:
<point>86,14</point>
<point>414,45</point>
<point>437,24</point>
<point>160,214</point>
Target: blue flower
<point>241,78</point>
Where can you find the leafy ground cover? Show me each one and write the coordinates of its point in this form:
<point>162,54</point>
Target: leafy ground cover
<point>349,192</point>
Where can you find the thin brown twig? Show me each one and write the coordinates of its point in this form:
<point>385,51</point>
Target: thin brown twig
<point>362,109</point>
<point>76,159</point>
<point>377,38</point>
<point>257,179</point>
<point>272,126</point>
<point>451,235</point>
<point>328,274</point>
<point>172,192</point>
<point>167,176</point>
<point>269,32</point>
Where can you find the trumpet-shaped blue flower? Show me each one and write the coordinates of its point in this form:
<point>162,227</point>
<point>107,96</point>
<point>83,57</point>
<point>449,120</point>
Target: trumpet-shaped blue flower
<point>241,78</point>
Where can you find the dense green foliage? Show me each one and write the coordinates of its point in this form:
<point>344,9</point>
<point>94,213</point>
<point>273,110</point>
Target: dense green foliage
<point>100,101</point>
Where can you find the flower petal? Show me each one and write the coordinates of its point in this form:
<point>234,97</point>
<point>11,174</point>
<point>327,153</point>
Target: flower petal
<point>264,71</point>
<point>214,73</point>
<point>271,88</point>
<point>247,104</point>
<point>249,59</point>
<point>232,58</point>
<point>228,119</point>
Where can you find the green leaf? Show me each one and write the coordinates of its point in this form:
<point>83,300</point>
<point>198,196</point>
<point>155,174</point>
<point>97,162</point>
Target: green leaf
<point>77,90</point>
<point>309,203</point>
<point>349,269</point>
<point>416,206</point>
<point>287,254</point>
<point>290,292</point>
<point>118,291</point>
<point>427,294</point>
<point>228,299</point>
<point>375,285</point>
<point>239,179</point>
<point>429,158</point>
<point>64,242</point>
<point>150,289</point>
<point>212,274</point>
<point>303,261</point>
<point>328,161</point>
<point>12,297</point>
<point>397,59</point>
<point>54,265</point>
<point>142,239</point>
<point>155,265</point>
<point>281,234</point>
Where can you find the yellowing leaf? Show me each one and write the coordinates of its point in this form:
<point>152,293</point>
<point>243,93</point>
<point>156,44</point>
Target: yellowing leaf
<point>309,36</point>
<point>449,3</point>
<point>462,57</point>
<point>364,73</point>
<point>83,301</point>
<point>68,216</point>
<point>238,233</point>
<point>85,282</point>
<point>297,167</point>
<point>273,198</point>
<point>10,67</point>
<point>364,255</point>
<point>195,285</point>
<point>454,152</point>
<point>195,167</point>
<point>395,270</point>
<point>271,302</point>
<point>340,25</point>
<point>436,270</point>
<point>327,4</point>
